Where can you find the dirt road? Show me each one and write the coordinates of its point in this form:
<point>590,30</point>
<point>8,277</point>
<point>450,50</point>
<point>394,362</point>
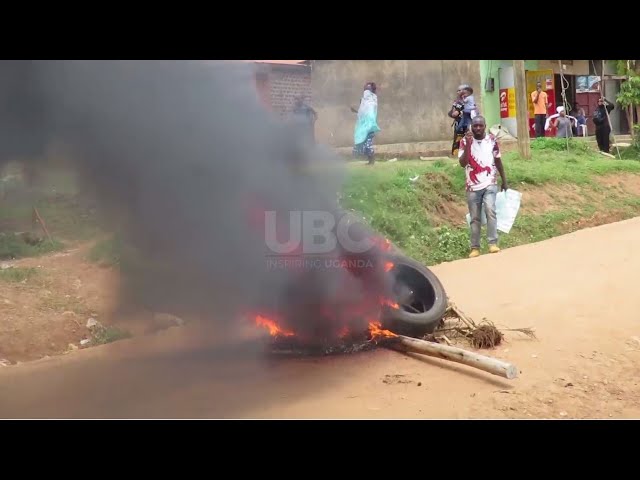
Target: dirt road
<point>579,292</point>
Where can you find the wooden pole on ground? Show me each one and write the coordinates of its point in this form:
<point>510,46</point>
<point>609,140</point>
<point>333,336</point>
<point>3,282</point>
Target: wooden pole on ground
<point>454,354</point>
<point>602,87</point>
<point>522,111</point>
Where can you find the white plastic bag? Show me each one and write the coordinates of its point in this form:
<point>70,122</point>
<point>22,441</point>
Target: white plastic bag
<point>507,206</point>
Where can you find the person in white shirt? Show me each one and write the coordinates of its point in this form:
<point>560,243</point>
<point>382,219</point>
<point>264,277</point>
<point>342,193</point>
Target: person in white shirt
<point>480,157</point>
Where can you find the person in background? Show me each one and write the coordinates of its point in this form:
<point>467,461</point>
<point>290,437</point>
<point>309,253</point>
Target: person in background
<point>305,117</point>
<point>366,124</point>
<point>581,120</point>
<point>456,114</point>
<point>470,108</point>
<point>541,104</point>
<point>463,110</point>
<point>480,157</point>
<point>603,126</point>
<point>563,124</point>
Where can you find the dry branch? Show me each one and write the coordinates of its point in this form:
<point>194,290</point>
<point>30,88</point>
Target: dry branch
<point>481,335</point>
<point>41,222</point>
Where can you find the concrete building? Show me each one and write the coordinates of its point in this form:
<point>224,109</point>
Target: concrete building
<point>415,95</point>
<point>279,82</point>
<point>565,80</point>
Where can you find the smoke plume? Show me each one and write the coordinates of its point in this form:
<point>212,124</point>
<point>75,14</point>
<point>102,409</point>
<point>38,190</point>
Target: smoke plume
<point>184,160</point>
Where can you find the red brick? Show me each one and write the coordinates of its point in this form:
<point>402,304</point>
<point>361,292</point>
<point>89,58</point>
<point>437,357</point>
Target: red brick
<point>286,86</point>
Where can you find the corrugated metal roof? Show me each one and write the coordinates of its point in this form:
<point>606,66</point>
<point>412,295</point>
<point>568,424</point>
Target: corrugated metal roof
<point>279,62</point>
<point>292,63</point>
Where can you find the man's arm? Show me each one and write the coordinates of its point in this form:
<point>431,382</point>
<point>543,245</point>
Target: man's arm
<point>608,105</point>
<point>497,158</point>
<point>500,168</point>
<point>465,146</point>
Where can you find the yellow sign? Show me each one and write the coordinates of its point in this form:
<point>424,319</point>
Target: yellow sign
<point>545,77</point>
<point>511,99</point>
<point>507,102</point>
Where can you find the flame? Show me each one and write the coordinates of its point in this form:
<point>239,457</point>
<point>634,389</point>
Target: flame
<point>344,332</point>
<point>274,329</point>
<point>375,329</point>
<point>390,303</point>
<point>388,266</point>
<point>382,243</point>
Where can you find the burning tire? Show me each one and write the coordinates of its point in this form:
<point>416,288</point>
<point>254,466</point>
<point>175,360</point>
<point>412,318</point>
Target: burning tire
<point>420,297</point>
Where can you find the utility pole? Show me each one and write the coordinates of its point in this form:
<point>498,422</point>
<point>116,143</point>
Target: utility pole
<point>522,112</point>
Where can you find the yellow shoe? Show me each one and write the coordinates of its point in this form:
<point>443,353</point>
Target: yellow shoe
<point>494,249</point>
<point>474,253</point>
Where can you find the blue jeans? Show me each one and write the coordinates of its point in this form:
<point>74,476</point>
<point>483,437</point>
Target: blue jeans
<point>475,200</point>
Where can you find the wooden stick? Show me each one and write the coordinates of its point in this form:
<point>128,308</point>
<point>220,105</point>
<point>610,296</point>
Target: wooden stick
<point>454,354</point>
<point>41,221</point>
<point>461,315</point>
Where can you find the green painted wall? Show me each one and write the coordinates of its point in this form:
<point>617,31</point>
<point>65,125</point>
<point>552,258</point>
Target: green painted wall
<point>490,101</point>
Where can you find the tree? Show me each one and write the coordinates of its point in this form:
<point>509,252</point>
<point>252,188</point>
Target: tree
<point>629,95</point>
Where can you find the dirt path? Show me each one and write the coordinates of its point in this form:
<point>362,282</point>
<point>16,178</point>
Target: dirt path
<point>46,312</point>
<point>578,291</point>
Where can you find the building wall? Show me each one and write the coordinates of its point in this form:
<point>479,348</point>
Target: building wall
<point>286,83</point>
<point>414,97</point>
<point>577,67</point>
<point>490,101</point>
<point>264,88</point>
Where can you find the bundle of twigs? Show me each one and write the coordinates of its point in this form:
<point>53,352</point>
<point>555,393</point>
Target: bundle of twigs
<point>480,335</point>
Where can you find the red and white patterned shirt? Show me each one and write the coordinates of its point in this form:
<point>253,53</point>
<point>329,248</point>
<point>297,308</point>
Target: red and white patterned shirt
<point>481,170</point>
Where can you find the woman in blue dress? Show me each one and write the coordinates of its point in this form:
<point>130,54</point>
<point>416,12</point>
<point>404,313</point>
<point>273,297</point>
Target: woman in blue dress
<point>366,124</point>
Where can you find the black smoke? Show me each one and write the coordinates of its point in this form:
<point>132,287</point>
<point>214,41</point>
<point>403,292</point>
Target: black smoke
<point>180,155</point>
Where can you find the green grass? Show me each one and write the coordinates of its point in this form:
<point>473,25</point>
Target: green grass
<point>102,335</point>
<point>54,194</point>
<point>12,247</point>
<point>17,274</point>
<point>627,153</point>
<point>106,252</point>
<point>407,212</point>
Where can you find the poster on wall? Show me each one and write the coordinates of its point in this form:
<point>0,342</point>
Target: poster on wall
<point>507,103</point>
<point>587,83</point>
<point>545,77</point>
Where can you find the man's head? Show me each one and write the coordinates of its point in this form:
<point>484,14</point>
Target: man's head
<point>539,86</point>
<point>299,101</point>
<point>371,86</point>
<point>561,111</point>
<point>478,127</point>
<point>600,101</point>
<point>465,90</point>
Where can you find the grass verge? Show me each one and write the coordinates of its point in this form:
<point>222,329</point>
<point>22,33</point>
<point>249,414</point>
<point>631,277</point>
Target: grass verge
<point>421,205</point>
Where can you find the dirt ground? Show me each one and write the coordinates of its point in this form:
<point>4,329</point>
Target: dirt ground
<point>577,291</point>
<point>46,314</point>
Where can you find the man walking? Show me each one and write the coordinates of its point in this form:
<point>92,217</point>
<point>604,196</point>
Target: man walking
<point>480,157</point>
